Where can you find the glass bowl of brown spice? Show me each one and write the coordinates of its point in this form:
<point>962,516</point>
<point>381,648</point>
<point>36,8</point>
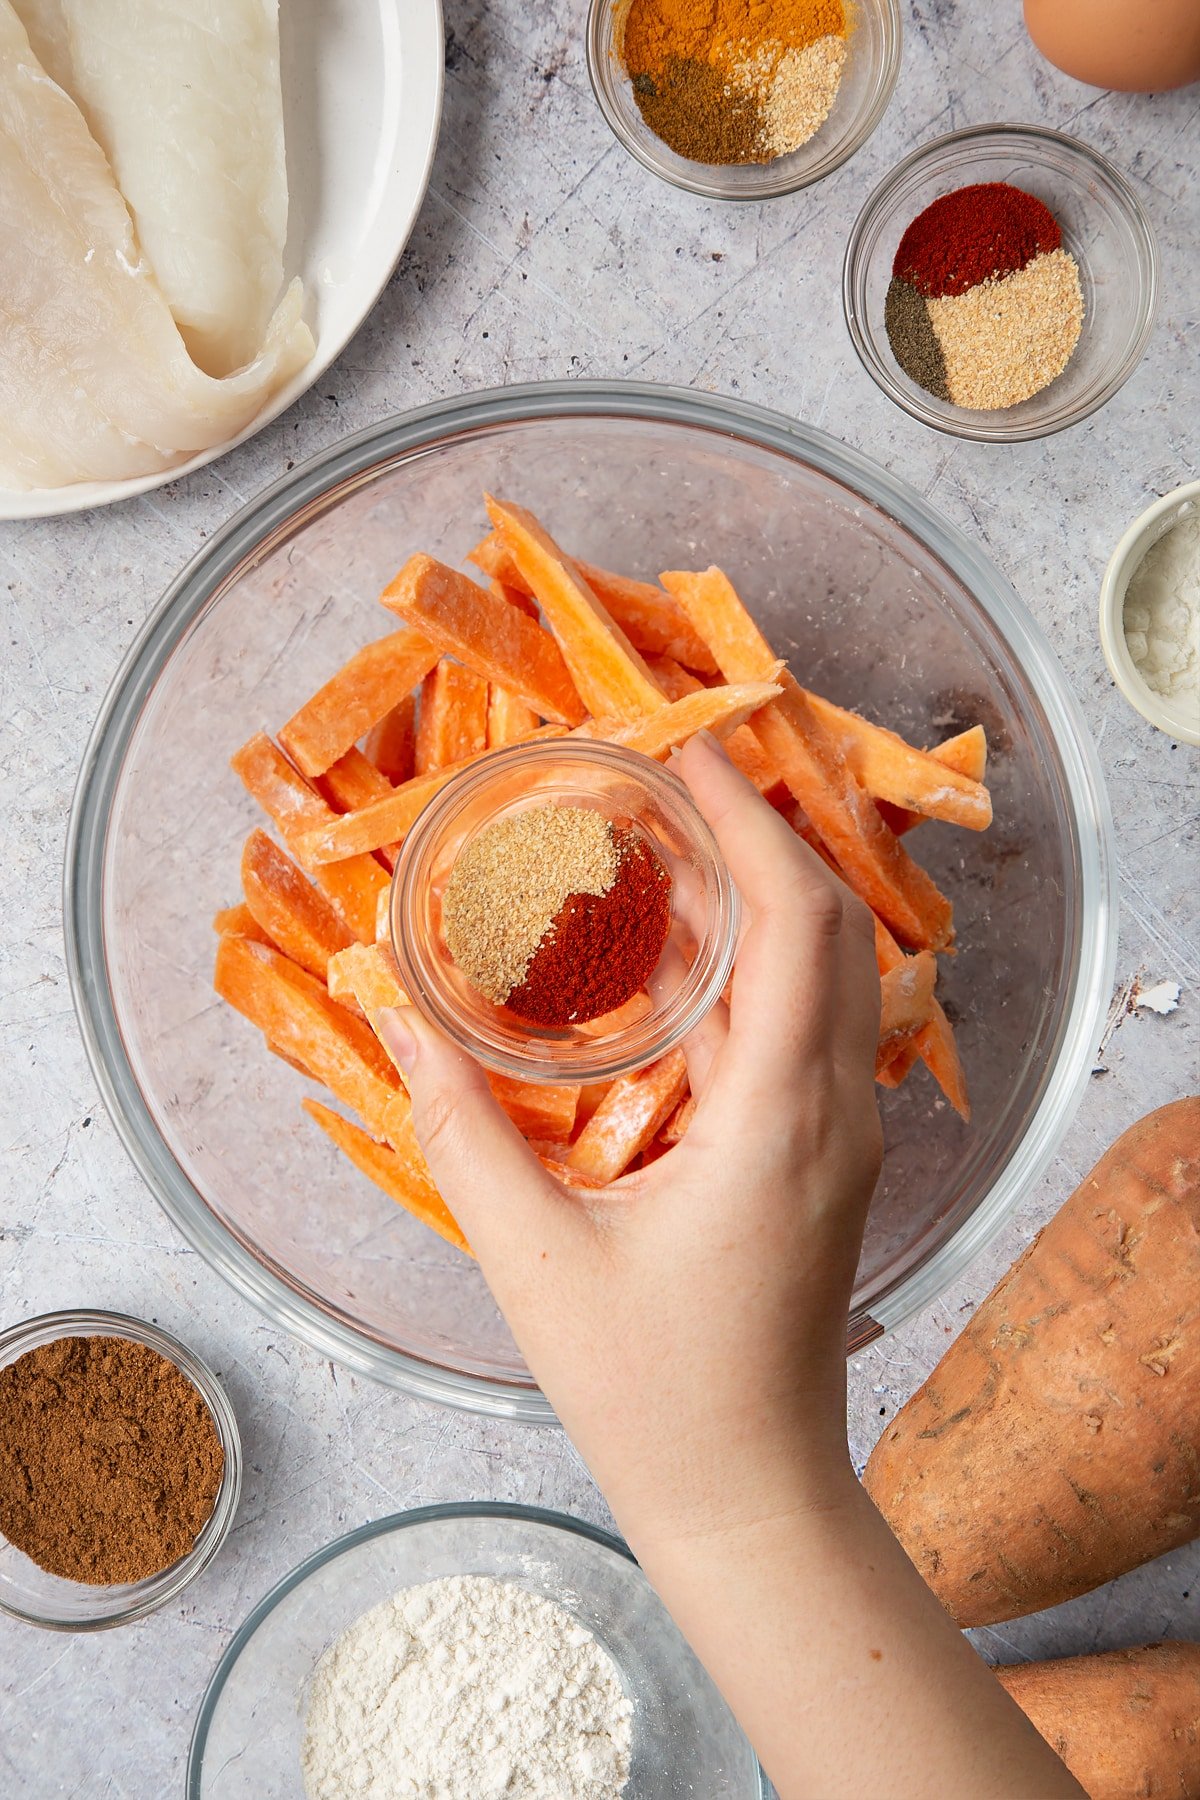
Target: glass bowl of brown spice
<point>120,1469</point>
<point>741,101</point>
<point>562,912</point>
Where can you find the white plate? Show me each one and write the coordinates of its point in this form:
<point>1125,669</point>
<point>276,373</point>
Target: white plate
<point>362,97</point>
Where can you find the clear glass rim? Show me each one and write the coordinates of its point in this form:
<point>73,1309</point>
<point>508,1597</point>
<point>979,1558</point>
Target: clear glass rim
<point>348,465</point>
<point>854,277</point>
<point>365,1534</point>
<point>141,1597</point>
<point>642,1043</point>
<point>679,173</point>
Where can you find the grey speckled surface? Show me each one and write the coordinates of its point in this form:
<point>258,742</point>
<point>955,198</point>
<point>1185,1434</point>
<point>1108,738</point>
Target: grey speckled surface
<point>544,251</point>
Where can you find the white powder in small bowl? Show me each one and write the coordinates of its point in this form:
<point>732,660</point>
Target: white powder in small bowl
<point>467,1688</point>
<point>1162,611</point>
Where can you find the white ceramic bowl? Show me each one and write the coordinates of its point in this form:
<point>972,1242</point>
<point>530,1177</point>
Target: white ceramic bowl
<point>1179,719</point>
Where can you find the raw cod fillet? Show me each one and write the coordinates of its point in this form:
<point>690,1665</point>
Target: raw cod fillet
<point>95,380</point>
<point>184,98</point>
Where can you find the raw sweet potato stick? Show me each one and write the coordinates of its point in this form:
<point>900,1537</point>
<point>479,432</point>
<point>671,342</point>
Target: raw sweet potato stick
<point>451,719</point>
<point>719,710</point>
<point>403,1179</point>
<point>508,718</point>
<point>675,1128</point>
<point>628,1117</point>
<point>295,1012</point>
<point>293,803</point>
<point>646,614</point>
<point>495,639</point>
<point>355,699</point>
<point>872,859</point>
<point>907,1004</point>
<point>352,782</point>
<point>386,821</point>
<point>610,676</point>
<point>295,915</point>
<point>892,770</point>
<point>239,921</point>
<point>389,745</point>
<point>934,1044</point>
<point>967,753</point>
<point>741,746</point>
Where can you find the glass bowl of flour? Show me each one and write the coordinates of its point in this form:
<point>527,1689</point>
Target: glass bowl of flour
<point>476,1652</point>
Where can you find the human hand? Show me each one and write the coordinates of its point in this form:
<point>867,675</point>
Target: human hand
<point>688,1322</point>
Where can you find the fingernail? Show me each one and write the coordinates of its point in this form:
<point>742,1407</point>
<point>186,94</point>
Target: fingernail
<point>714,744</point>
<point>396,1035</point>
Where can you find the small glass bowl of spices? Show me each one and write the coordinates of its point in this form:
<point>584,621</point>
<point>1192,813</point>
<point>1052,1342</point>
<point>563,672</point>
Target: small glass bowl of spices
<point>743,99</point>
<point>120,1469</point>
<point>562,912</point>
<point>1001,283</point>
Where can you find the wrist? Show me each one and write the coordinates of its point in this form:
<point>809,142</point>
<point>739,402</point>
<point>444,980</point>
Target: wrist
<point>752,1482</point>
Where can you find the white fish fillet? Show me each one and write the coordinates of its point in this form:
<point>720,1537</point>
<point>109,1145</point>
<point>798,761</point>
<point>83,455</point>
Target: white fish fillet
<point>95,380</point>
<point>184,98</point>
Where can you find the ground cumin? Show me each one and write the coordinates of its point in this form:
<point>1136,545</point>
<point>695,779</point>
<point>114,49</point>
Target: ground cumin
<point>110,1462</point>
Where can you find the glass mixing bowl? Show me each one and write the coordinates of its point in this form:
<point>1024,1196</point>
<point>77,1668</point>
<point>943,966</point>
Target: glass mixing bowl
<point>881,604</point>
<point>248,1736</point>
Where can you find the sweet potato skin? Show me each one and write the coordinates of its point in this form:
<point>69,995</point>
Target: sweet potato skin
<point>1057,1443</point>
<point>1126,1723</point>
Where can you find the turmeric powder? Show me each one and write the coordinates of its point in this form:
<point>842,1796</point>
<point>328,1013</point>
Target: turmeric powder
<point>701,30</point>
<point>723,81</point>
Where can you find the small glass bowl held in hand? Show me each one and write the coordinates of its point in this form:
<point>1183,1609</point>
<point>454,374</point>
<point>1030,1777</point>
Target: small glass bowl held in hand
<point>32,1593</point>
<point>627,788</point>
<point>1103,228</point>
<point>868,81</point>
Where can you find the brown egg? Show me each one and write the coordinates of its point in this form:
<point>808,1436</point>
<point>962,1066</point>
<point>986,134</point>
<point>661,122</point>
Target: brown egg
<point>1139,46</point>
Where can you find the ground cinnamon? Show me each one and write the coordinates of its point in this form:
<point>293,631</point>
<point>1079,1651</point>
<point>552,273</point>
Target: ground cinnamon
<point>110,1462</point>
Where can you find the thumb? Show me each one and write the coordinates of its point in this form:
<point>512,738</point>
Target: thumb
<point>484,1170</point>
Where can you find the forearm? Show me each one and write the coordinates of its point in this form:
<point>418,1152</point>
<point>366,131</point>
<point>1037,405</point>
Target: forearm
<point>842,1667</point>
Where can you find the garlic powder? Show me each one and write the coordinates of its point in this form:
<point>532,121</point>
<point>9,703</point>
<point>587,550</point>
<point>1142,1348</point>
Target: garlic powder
<point>1162,611</point>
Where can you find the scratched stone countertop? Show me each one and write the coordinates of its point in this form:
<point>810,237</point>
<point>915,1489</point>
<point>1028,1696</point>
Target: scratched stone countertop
<point>544,251</point>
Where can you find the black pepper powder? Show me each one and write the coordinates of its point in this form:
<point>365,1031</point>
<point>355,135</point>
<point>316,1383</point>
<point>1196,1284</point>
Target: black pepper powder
<point>913,339</point>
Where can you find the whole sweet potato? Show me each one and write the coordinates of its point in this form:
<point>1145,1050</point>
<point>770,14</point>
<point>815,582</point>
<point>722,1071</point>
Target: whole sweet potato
<point>1057,1443</point>
<point>1126,1723</point>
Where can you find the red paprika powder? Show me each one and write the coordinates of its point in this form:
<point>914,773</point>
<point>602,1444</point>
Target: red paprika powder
<point>601,949</point>
<point>977,233</point>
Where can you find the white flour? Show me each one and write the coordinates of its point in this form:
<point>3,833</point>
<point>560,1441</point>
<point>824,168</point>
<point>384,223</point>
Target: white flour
<point>1162,611</point>
<point>466,1689</point>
